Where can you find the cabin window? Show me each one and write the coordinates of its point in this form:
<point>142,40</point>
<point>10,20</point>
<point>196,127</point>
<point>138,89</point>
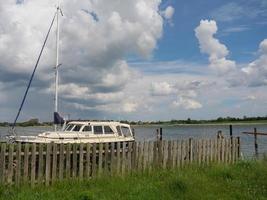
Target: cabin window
<point>108,130</point>
<point>87,128</point>
<point>69,127</point>
<point>77,128</point>
<point>126,131</point>
<point>98,130</point>
<point>119,130</point>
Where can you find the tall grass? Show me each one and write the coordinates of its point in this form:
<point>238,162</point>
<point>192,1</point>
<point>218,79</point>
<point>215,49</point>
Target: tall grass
<point>244,180</point>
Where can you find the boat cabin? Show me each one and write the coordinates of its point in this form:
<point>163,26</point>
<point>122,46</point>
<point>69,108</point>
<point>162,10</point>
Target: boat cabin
<point>84,132</point>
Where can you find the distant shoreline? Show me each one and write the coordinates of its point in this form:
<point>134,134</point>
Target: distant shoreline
<point>204,124</point>
<point>260,122</point>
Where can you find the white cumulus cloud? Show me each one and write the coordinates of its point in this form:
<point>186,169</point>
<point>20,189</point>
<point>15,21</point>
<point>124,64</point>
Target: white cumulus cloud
<point>161,88</point>
<point>187,103</point>
<point>210,45</point>
<point>168,12</point>
<point>96,37</point>
<point>256,71</point>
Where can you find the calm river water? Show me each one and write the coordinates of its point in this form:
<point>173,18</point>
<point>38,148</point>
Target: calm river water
<point>146,133</point>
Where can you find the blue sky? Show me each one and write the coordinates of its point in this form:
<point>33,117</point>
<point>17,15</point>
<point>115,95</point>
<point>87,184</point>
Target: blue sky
<point>241,33</point>
<point>136,60</point>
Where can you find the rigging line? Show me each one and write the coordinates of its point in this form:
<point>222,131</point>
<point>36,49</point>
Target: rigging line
<point>29,84</point>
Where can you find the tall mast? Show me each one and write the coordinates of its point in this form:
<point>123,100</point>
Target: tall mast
<point>57,65</point>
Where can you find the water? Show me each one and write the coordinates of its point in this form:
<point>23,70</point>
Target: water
<point>147,133</point>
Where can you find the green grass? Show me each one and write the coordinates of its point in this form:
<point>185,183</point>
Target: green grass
<point>245,180</point>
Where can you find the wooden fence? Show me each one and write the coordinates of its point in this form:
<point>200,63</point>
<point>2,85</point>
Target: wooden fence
<point>47,163</point>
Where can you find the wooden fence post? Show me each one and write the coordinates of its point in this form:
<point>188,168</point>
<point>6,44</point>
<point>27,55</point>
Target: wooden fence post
<point>129,157</point>
<point>81,161</point>
<point>238,148</point>
<point>190,150</point>
<point>61,161</point>
<point>48,164</point>
<point>112,159</point>
<point>26,161</point>
<point>33,164</point>
<point>18,164</point>
<point>54,162</point>
<point>88,161</point>
<point>3,163</point>
<point>10,163</point>
<point>40,163</point>
<point>74,160</point>
<point>123,158</point>
<point>94,160</point>
<point>68,160</point>
<point>100,159</point>
<point>106,158</point>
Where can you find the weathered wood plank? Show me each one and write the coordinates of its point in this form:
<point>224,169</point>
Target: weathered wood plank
<point>48,164</point>
<point>211,150</point>
<point>160,153</point>
<point>112,159</point>
<point>18,164</point>
<point>165,154</point>
<point>100,159</point>
<point>33,164</point>
<point>200,146</point>
<point>106,158</point>
<point>54,162</point>
<point>61,161</point>
<point>179,154</point>
<point>26,163</point>
<point>219,150</point>
<point>68,161</point>
<point>3,163</point>
<point>238,149</point>
<point>227,150</point>
<point>186,149</point>
<point>123,158</point>
<point>74,160</point>
<point>150,155</point>
<point>10,163</point>
<point>174,156</point>
<point>118,157</point>
<point>223,150</point>
<point>155,154</point>
<point>207,152</point>
<point>134,156</point>
<point>231,150</point>
<point>190,150</point>
<point>204,151</point>
<point>140,155</point>
<point>183,156</point>
<point>81,161</point>
<point>128,156</point>
<point>88,161</point>
<point>40,163</point>
<point>169,154</point>
<point>144,160</point>
<point>94,161</point>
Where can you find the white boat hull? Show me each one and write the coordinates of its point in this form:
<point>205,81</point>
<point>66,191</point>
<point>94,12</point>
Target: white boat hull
<point>37,139</point>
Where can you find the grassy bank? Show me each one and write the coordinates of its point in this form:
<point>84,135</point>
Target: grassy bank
<point>245,180</point>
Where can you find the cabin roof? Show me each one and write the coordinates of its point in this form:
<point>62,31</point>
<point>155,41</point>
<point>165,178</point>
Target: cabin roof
<point>98,123</point>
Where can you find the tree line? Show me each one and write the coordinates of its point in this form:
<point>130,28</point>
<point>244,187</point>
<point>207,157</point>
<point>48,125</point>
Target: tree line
<point>36,122</point>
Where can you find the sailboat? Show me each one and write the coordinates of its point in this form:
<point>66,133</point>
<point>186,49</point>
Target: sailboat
<point>73,131</point>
